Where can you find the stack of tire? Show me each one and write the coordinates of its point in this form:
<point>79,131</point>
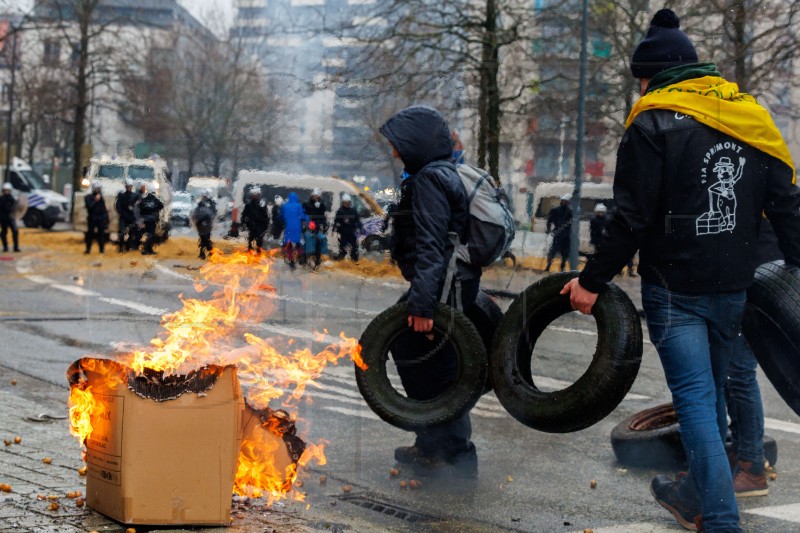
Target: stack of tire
<point>510,340</point>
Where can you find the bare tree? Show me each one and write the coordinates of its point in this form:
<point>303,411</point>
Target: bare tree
<point>85,29</point>
<point>205,100</point>
<point>452,46</point>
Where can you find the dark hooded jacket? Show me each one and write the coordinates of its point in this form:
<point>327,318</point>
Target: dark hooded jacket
<point>433,203</point>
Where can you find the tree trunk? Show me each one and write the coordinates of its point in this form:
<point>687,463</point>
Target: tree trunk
<point>740,46</point>
<point>81,104</point>
<point>489,126</point>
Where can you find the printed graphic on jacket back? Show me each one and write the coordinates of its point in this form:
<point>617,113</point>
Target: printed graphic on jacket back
<point>723,168</point>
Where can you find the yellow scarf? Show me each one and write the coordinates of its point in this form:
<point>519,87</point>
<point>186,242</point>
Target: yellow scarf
<point>718,103</point>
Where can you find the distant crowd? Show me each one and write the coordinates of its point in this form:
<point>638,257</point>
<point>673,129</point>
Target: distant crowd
<point>301,228</point>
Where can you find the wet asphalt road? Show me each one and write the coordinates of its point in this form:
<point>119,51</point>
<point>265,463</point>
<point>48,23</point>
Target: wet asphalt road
<point>529,481</point>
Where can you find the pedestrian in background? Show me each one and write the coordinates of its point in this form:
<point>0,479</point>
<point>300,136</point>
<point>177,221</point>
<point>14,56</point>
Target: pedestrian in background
<point>203,219</point>
<point>150,208</point>
<point>559,224</point>
<point>124,205</point>
<point>433,206</point>
<point>597,227</point>
<point>698,165</point>
<point>317,212</point>
<point>256,218</point>
<point>347,223</point>
<point>96,219</point>
<point>8,219</point>
<point>277,218</point>
<point>293,219</point>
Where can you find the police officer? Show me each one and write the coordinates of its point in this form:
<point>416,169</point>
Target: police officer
<point>203,217</point>
<point>7,219</point>
<point>256,218</point>
<point>277,219</point>
<point>346,223</point>
<point>96,219</point>
<point>149,209</point>
<point>124,205</point>
<point>559,223</point>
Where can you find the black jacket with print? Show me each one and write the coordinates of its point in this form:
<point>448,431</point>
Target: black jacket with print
<point>690,199</point>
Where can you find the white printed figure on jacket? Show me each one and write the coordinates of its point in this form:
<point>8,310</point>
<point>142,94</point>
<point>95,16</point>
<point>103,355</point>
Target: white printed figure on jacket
<point>721,215</point>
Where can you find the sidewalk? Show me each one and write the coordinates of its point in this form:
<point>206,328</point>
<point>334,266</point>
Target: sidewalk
<point>21,466</point>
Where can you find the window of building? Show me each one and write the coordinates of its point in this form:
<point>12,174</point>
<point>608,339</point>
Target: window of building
<point>52,52</point>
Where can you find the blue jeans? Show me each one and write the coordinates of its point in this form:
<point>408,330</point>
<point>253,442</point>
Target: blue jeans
<point>695,336</point>
<point>745,407</point>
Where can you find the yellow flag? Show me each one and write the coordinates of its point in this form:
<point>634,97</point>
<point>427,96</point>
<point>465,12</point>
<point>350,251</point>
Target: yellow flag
<point>718,103</point>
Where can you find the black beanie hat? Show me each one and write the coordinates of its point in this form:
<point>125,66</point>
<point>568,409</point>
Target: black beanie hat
<point>665,46</point>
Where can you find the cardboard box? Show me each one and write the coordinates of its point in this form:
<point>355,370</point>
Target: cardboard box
<point>164,462</point>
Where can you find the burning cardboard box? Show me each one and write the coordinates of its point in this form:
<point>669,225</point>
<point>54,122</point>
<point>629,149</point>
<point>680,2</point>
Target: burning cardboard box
<point>160,451</point>
<point>173,449</point>
<point>167,433</point>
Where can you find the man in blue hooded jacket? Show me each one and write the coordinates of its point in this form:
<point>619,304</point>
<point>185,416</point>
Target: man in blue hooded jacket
<point>433,204</point>
<point>293,217</point>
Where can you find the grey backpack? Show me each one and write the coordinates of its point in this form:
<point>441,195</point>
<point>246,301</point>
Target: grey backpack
<point>491,225</point>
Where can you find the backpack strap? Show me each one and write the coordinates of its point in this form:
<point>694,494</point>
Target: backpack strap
<point>484,177</point>
<point>451,274</point>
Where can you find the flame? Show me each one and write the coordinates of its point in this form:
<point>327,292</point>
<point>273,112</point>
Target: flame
<point>214,331</point>
<point>81,407</point>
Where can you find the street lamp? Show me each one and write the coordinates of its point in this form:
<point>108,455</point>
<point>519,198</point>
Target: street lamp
<point>576,193</point>
<point>10,122</point>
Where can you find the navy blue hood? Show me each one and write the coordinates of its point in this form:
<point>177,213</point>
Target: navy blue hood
<point>420,135</point>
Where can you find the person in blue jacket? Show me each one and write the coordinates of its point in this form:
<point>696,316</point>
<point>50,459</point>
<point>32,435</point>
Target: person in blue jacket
<point>293,218</point>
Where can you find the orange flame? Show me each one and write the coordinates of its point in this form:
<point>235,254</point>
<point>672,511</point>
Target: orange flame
<point>213,331</point>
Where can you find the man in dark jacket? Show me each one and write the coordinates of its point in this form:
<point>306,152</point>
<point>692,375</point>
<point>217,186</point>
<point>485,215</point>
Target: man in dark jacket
<point>346,224</point>
<point>149,209</point>
<point>597,225</point>
<point>433,204</point>
<point>316,210</point>
<point>96,219</point>
<point>7,218</point>
<point>697,166</point>
<point>277,219</point>
<point>124,205</point>
<point>256,218</point>
<point>559,224</point>
<point>203,218</point>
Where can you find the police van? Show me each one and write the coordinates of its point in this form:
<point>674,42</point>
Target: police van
<point>110,173</point>
<point>37,205</point>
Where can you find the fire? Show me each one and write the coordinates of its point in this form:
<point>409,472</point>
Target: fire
<point>81,407</point>
<point>212,331</point>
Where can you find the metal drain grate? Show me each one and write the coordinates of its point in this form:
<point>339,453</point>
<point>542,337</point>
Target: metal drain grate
<point>389,509</point>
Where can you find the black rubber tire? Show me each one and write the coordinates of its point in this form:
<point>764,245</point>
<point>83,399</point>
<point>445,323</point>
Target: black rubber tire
<point>454,400</point>
<point>602,386</point>
<point>48,224</point>
<point>485,315</point>
<point>651,439</point>
<point>373,243</point>
<point>32,218</point>
<point>772,327</point>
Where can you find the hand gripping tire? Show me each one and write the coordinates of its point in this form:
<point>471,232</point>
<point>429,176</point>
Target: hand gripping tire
<point>652,439</point>
<point>455,399</point>
<point>772,327</point>
<point>604,383</point>
<point>485,315</point>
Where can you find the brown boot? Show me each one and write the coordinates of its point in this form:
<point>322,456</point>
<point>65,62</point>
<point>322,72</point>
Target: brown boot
<point>746,484</point>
